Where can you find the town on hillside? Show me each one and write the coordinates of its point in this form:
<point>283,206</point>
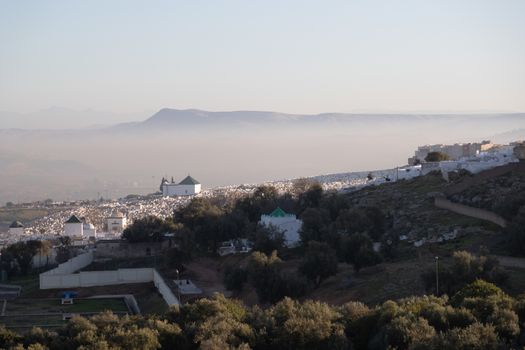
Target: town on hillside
<point>331,238</point>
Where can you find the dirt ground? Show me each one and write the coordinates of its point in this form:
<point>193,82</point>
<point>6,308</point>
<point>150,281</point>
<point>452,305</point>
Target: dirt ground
<point>206,273</point>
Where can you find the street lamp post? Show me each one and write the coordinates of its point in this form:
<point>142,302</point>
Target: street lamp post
<point>178,285</point>
<point>437,275</point>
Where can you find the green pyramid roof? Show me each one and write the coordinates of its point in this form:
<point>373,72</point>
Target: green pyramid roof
<point>278,213</point>
<point>73,220</point>
<point>189,181</point>
<point>16,224</point>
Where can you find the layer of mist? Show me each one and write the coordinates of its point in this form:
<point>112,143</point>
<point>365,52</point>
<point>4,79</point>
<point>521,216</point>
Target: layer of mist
<point>223,148</point>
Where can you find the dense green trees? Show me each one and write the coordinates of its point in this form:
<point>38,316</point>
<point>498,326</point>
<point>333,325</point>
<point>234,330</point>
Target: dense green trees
<point>17,259</point>
<point>327,217</point>
<point>234,278</point>
<point>479,316</point>
<point>358,250</point>
<point>149,229</point>
<point>516,232</point>
<point>436,157</point>
<point>271,282</point>
<point>465,268</point>
<point>266,239</point>
<point>64,249</point>
<point>316,225</point>
<point>319,262</point>
<point>266,274</point>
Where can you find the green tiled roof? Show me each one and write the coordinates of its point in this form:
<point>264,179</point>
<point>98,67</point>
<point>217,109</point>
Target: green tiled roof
<point>278,213</point>
<point>189,181</point>
<point>73,220</point>
<point>16,224</point>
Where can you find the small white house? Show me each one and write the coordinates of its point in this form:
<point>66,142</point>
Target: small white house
<point>16,229</point>
<point>288,223</point>
<point>74,227</point>
<point>187,187</point>
<point>117,222</point>
<point>89,230</point>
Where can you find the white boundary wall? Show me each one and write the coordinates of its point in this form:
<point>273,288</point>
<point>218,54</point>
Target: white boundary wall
<point>64,277</point>
<point>164,290</point>
<point>72,265</point>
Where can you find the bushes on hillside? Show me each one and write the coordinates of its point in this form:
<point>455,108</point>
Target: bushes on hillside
<point>149,229</point>
<point>319,262</point>
<point>466,268</point>
<point>480,316</point>
<point>436,157</point>
<point>358,250</point>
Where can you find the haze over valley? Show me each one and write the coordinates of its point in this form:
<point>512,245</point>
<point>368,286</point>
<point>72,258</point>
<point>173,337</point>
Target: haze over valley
<point>222,148</point>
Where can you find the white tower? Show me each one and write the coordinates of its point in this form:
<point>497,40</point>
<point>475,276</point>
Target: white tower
<point>74,227</point>
<point>16,229</point>
<point>117,222</point>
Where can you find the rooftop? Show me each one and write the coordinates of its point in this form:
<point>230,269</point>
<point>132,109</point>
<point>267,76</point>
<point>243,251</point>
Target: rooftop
<point>16,224</point>
<point>73,220</point>
<point>278,213</point>
<point>189,181</point>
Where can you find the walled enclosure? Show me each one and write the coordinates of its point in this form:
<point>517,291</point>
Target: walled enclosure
<point>64,276</point>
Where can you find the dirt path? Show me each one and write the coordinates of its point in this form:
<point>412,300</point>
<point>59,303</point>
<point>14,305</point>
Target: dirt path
<point>205,273</point>
<point>510,261</point>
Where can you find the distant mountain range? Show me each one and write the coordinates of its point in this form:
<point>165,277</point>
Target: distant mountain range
<point>169,118</point>
<point>57,118</point>
<point>220,148</point>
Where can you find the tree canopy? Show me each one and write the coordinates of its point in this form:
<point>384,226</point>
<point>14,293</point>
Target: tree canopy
<point>436,157</point>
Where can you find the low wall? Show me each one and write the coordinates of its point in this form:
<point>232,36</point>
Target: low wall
<point>64,277</point>
<point>72,265</point>
<point>96,278</point>
<point>164,290</point>
<point>470,211</point>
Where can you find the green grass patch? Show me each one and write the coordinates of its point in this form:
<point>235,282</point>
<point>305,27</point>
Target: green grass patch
<point>151,302</point>
<point>30,284</point>
<point>43,306</point>
<point>22,321</point>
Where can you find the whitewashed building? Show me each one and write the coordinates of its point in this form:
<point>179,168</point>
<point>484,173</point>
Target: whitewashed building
<point>187,187</point>
<point>117,222</point>
<point>16,229</point>
<point>455,152</point>
<point>89,230</point>
<point>74,227</point>
<point>287,223</point>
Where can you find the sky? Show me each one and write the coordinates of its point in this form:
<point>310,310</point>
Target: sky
<point>288,56</point>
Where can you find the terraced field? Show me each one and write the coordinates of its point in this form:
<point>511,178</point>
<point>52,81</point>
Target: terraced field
<point>48,313</point>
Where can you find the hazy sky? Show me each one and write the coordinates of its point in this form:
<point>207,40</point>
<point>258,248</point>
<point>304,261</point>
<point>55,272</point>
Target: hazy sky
<point>289,56</point>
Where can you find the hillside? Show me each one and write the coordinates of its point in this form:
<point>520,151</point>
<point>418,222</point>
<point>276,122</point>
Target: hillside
<point>190,118</point>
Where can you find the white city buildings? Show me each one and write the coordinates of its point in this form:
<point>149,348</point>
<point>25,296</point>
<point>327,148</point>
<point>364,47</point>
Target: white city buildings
<point>187,187</point>
<point>287,223</point>
<point>89,230</point>
<point>117,222</point>
<point>16,229</point>
<point>74,227</point>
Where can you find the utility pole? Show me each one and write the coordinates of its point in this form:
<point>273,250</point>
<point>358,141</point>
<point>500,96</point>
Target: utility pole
<point>437,275</point>
<point>178,285</point>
